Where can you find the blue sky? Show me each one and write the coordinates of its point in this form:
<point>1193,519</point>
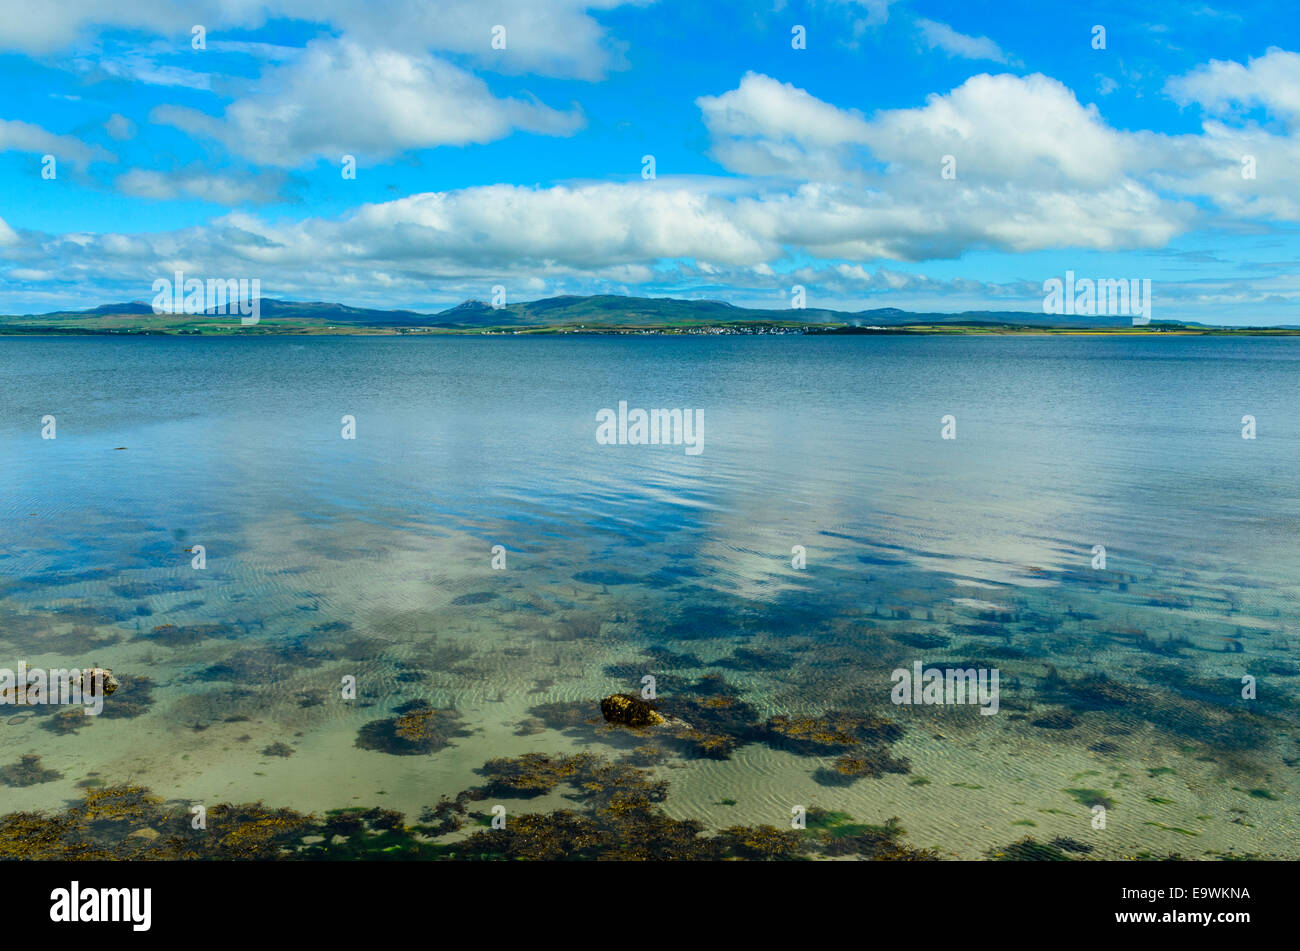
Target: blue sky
<point>774,166</point>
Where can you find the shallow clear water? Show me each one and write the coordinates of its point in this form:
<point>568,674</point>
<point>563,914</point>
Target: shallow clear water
<point>371,557</point>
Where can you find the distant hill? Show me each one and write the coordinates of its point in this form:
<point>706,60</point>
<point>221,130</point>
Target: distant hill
<point>604,310</point>
<point>571,312</point>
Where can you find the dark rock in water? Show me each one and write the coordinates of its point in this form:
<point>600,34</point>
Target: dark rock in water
<point>474,597</point>
<point>1057,720</point>
<point>530,726</point>
<point>133,698</point>
<point>605,577</point>
<point>420,728</point>
<point>921,640</point>
<point>627,710</point>
<point>28,771</point>
<point>92,679</point>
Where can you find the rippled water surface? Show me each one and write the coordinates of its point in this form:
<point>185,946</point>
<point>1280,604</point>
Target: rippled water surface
<point>372,558</point>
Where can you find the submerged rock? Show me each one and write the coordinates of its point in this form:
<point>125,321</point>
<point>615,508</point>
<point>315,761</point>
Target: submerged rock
<point>627,710</point>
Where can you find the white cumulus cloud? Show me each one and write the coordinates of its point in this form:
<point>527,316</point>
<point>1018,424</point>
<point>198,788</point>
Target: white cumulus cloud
<point>340,98</point>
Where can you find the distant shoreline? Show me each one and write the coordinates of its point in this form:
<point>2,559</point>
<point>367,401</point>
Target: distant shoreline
<point>600,314</point>
<point>721,330</point>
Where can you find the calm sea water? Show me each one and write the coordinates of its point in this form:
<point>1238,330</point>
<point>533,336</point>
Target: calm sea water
<point>372,557</point>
